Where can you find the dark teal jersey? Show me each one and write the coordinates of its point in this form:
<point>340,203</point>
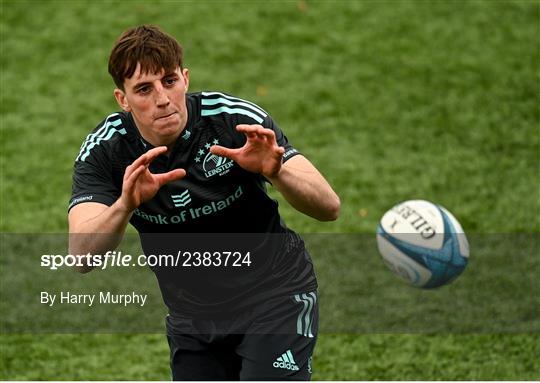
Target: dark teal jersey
<point>216,196</point>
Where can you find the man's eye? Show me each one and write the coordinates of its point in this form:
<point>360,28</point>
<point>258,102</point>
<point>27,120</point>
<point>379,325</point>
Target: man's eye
<point>143,90</point>
<point>170,81</point>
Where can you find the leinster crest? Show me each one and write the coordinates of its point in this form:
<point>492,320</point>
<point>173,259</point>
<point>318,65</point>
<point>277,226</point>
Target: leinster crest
<point>211,164</point>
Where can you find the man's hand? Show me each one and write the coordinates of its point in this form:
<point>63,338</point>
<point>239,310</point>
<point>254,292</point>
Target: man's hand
<point>140,185</point>
<point>96,218</point>
<point>260,154</point>
<point>302,185</point>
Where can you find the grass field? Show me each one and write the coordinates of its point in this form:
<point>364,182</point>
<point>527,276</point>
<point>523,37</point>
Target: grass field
<point>392,100</point>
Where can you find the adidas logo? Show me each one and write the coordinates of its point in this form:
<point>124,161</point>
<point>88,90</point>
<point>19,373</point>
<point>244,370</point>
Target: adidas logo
<point>286,361</point>
<point>181,200</point>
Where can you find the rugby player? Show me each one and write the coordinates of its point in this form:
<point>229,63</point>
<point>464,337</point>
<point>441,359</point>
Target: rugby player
<point>178,162</point>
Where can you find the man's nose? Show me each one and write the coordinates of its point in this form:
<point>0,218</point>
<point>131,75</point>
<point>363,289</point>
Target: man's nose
<point>161,96</point>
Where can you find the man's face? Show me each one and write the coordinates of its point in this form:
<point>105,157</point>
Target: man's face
<point>157,103</point>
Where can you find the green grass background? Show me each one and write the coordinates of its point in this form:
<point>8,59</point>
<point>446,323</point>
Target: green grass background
<point>392,100</point>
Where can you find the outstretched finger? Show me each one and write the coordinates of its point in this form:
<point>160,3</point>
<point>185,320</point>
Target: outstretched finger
<point>152,154</point>
<point>129,180</point>
<point>257,131</point>
<point>268,135</point>
<point>248,130</point>
<point>146,158</point>
<point>173,175</point>
<point>250,134</point>
<point>224,152</point>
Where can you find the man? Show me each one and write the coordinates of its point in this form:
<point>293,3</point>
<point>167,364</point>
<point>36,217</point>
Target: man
<point>173,162</point>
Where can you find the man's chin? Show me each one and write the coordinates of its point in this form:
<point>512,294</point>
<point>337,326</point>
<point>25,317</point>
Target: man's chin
<point>168,132</point>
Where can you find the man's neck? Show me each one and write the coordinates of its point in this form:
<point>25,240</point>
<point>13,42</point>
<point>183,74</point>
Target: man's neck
<point>168,141</point>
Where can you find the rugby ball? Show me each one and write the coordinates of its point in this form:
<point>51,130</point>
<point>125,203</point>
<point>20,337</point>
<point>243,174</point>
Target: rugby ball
<point>422,243</point>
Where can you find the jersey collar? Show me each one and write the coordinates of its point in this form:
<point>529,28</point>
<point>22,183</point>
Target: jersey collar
<point>191,104</point>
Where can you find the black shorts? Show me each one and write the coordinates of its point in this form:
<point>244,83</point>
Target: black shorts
<point>273,341</point>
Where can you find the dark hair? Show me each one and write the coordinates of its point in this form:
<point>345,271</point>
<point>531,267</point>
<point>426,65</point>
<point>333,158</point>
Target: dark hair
<point>148,45</point>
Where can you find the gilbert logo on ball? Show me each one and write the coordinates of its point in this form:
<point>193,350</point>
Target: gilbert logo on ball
<point>422,243</point>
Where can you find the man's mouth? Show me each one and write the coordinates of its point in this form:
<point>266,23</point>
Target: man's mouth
<point>165,116</point>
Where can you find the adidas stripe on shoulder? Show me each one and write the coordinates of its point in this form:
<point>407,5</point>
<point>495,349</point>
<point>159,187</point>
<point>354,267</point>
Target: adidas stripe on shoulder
<point>103,133</point>
<point>214,103</point>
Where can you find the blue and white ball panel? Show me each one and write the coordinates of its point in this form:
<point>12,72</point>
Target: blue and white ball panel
<point>417,222</point>
<point>422,243</point>
<point>460,234</point>
<point>403,266</point>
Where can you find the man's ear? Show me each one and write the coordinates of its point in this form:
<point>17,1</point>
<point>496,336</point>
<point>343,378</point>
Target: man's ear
<point>185,74</point>
<point>122,100</point>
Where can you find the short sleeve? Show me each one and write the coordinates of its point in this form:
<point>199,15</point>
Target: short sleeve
<point>93,181</point>
<point>281,139</point>
<point>235,111</point>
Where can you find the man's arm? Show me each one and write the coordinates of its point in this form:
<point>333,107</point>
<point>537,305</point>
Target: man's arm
<point>304,187</point>
<point>96,228</point>
<point>298,180</point>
